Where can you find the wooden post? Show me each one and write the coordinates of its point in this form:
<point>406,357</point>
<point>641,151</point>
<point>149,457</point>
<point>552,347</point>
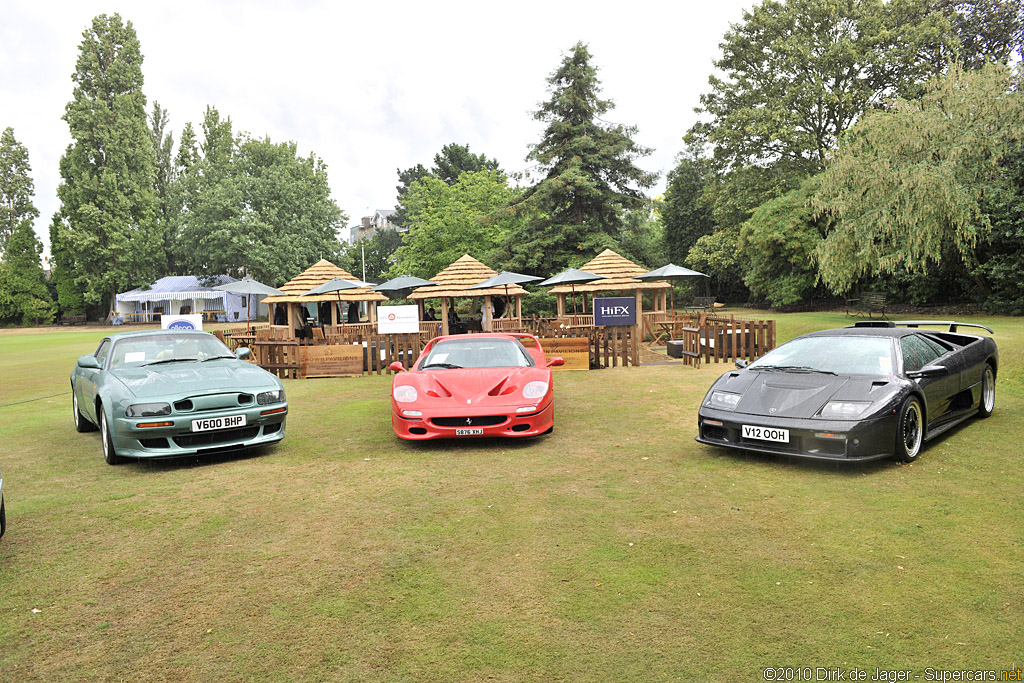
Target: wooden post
<point>561,305</point>
<point>444,316</point>
<point>371,309</point>
<point>291,320</point>
<point>638,328</point>
<point>485,318</point>
<point>519,306</point>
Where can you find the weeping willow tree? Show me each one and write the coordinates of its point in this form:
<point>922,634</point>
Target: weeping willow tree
<point>911,183</point>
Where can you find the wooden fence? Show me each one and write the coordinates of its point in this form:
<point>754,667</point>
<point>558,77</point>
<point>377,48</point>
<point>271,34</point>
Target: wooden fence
<point>726,339</point>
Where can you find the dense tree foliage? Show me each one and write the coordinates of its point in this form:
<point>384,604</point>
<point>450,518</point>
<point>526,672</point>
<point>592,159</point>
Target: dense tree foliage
<point>910,186</point>
<point>163,166</point>
<point>686,211</point>
<point>469,217</point>
<point>452,161</point>
<point>16,187</point>
<point>105,238</point>
<point>24,297</point>
<point>777,245</point>
<point>253,207</point>
<point>589,172</point>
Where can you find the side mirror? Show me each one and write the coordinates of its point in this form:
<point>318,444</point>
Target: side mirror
<point>243,352</point>
<point>741,363</point>
<point>929,371</point>
<point>555,362</point>
<point>89,362</point>
<point>396,367</point>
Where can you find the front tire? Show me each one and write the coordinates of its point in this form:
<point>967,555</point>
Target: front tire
<point>109,454</point>
<point>910,430</point>
<point>988,391</point>
<point>82,423</point>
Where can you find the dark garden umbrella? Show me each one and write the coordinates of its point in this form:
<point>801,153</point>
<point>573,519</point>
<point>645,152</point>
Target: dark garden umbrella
<point>504,278</point>
<point>403,282</point>
<point>670,272</point>
<point>336,284</point>
<point>572,277</point>
<point>247,288</point>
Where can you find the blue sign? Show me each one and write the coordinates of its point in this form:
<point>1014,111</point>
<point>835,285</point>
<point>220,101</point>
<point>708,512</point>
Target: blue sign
<point>181,325</point>
<point>617,310</point>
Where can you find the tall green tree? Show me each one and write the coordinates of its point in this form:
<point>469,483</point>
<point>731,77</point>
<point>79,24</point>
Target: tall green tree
<point>590,176</point>
<point>106,236</point>
<point>452,161</point>
<point>910,187</point>
<point>16,187</point>
<point>797,73</point>
<point>252,206</point>
<point>373,256</point>
<point>163,166</point>
<point>470,217</point>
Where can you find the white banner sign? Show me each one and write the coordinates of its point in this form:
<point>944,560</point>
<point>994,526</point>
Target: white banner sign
<point>398,319</point>
<point>182,322</point>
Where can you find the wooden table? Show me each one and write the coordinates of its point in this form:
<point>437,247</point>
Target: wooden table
<point>670,328</point>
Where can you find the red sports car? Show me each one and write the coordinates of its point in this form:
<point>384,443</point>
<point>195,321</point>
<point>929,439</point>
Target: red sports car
<point>475,385</point>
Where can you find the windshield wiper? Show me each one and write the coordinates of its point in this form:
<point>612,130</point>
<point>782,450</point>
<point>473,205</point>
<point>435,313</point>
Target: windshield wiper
<point>215,358</point>
<point>173,360</point>
<point>448,366</point>
<point>804,368</point>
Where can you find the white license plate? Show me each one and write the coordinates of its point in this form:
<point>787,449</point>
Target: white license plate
<point>212,423</point>
<point>766,434</point>
<point>468,432</point>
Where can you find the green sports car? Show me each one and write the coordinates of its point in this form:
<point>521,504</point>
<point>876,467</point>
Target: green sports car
<point>172,393</point>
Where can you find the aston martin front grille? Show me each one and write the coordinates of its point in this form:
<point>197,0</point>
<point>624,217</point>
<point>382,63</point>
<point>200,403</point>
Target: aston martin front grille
<point>222,436</point>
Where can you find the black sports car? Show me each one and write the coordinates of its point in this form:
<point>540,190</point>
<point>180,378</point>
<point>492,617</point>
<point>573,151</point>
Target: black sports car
<point>869,391</point>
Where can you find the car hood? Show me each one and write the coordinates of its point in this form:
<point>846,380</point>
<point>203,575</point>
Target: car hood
<point>474,386</point>
<point>800,395</point>
<point>192,378</point>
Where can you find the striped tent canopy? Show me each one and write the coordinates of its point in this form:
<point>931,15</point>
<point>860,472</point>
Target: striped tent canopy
<point>177,288</point>
<point>317,274</point>
<point>456,279</point>
<point>620,274</point>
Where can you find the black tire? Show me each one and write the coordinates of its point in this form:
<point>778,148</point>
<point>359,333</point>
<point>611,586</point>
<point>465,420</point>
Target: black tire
<point>82,423</point>
<point>910,430</point>
<point>109,454</point>
<point>988,391</point>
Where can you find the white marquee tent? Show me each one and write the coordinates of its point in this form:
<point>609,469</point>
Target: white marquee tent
<point>177,294</point>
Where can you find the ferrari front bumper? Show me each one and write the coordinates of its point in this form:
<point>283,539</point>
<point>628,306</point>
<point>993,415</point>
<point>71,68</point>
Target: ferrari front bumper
<point>476,423</point>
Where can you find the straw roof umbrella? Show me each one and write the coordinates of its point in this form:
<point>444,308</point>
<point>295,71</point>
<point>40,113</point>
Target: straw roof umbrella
<point>294,291</point>
<point>456,281</point>
<point>620,274</point>
<point>670,272</point>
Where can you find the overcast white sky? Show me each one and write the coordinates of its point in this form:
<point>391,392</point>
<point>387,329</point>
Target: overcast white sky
<point>369,87</point>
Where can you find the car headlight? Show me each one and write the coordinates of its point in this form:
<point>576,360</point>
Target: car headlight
<point>723,400</point>
<point>845,410</point>
<point>265,398</point>
<point>534,390</point>
<point>403,393</point>
<point>148,410</point>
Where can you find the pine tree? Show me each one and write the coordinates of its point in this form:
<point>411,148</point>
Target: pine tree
<point>105,237</point>
<point>590,174</point>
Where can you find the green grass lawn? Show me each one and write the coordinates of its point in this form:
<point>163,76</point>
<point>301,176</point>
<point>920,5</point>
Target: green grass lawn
<point>615,549</point>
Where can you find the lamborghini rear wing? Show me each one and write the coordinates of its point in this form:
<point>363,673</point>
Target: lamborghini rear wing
<point>951,324</point>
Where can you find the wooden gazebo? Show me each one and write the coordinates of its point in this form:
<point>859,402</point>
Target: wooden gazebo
<point>455,280</point>
<point>619,275</point>
<point>319,273</point>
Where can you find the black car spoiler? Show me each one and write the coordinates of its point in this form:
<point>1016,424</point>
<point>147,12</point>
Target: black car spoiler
<point>952,324</point>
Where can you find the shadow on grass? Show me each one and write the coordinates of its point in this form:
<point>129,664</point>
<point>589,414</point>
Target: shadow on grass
<point>487,444</point>
<point>194,461</point>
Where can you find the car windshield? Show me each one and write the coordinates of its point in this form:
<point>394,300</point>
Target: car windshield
<point>477,353</point>
<point>166,348</point>
<point>840,355</point>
